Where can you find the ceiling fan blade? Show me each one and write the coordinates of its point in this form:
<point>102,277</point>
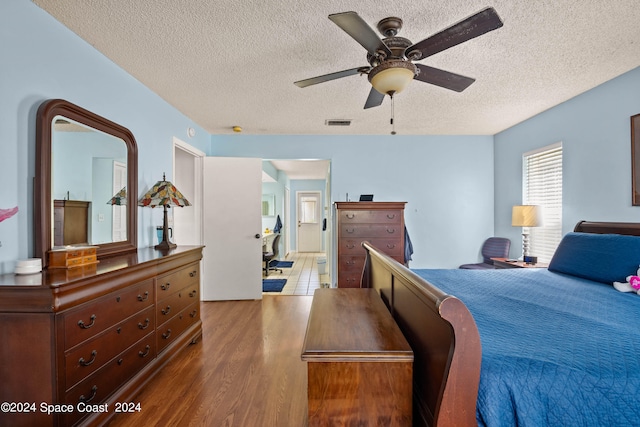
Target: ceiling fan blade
<point>328,77</point>
<point>467,29</point>
<point>355,26</point>
<point>375,99</point>
<point>442,78</point>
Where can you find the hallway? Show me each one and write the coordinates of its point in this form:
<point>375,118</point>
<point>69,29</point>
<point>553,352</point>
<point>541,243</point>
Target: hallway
<point>302,277</point>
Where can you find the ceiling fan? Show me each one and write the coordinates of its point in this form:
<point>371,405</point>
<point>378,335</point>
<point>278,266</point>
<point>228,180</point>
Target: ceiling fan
<point>391,66</point>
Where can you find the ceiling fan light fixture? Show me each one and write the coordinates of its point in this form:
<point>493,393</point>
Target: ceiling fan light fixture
<point>392,77</point>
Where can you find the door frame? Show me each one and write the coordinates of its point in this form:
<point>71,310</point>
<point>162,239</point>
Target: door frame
<point>196,203</point>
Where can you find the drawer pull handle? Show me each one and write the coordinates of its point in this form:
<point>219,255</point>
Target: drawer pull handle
<point>143,298</point>
<point>193,273</point>
<point>146,351</point>
<point>118,298</point>
<point>93,321</point>
<point>167,334</point>
<point>166,311</point>
<point>193,313</point>
<point>391,246</point>
<point>94,390</point>
<point>350,230</point>
<point>94,353</point>
<point>391,216</point>
<point>165,286</point>
<point>350,215</point>
<point>350,262</point>
<point>120,362</point>
<point>146,324</point>
<point>119,330</point>
<point>193,293</point>
<point>350,246</point>
<point>391,230</point>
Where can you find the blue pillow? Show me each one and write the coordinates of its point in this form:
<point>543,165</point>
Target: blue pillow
<point>603,258</point>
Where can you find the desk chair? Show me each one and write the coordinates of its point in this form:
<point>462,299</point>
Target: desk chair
<point>271,255</point>
<point>493,247</point>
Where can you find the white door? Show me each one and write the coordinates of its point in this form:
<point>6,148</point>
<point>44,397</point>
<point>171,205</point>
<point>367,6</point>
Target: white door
<point>309,221</point>
<point>232,258</point>
<point>119,212</point>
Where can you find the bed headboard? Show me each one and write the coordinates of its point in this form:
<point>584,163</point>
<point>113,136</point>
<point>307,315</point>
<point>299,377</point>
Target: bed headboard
<point>627,228</point>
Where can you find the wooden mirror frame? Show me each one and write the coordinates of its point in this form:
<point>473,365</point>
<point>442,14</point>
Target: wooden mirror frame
<point>43,204</point>
<point>635,160</point>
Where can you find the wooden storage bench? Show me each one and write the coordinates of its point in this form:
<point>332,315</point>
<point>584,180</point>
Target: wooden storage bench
<point>360,366</point>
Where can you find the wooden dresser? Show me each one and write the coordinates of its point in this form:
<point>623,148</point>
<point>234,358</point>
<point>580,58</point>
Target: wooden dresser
<point>380,223</point>
<point>88,339</point>
<point>71,222</point>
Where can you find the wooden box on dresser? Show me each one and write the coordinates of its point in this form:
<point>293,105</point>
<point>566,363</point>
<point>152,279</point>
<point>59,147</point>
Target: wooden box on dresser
<point>380,223</point>
<point>86,340</point>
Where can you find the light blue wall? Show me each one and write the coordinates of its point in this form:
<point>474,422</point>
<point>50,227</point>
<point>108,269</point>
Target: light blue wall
<point>447,182</point>
<point>594,128</point>
<point>42,59</point>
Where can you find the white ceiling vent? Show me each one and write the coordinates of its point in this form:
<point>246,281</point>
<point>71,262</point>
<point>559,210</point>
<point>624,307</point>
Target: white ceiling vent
<point>337,122</point>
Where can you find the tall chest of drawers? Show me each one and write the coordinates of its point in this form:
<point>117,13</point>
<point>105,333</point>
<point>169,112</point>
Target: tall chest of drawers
<point>380,223</point>
<point>90,339</point>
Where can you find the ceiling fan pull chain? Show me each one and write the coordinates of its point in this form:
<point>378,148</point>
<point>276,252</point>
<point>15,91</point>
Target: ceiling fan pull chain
<point>393,126</point>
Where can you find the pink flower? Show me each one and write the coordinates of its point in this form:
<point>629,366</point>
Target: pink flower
<point>634,281</point>
<point>7,213</point>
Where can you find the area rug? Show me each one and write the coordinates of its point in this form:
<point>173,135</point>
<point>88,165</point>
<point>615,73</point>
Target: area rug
<point>283,264</point>
<point>273,285</point>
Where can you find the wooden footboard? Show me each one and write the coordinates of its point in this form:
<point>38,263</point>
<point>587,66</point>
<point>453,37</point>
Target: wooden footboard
<point>443,336</point>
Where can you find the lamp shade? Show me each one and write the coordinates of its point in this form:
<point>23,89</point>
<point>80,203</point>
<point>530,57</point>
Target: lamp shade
<point>526,216</point>
<point>392,77</point>
<point>120,199</point>
<point>163,193</point>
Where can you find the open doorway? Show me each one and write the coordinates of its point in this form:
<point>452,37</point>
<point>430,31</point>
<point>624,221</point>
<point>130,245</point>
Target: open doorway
<point>187,176</point>
<point>289,179</point>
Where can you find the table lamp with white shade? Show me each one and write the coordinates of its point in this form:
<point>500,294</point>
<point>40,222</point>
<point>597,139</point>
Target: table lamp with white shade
<point>526,216</point>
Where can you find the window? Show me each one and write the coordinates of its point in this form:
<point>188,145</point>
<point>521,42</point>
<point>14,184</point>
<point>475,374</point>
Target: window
<point>308,210</point>
<point>542,185</point>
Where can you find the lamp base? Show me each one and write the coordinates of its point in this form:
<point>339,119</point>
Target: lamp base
<point>165,245</point>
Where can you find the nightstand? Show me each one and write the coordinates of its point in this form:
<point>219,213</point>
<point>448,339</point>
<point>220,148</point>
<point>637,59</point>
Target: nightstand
<point>502,263</point>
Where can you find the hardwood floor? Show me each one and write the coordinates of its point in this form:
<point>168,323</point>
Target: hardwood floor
<point>246,370</point>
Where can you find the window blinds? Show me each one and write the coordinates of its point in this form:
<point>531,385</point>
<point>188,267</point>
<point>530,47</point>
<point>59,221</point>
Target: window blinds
<point>542,184</point>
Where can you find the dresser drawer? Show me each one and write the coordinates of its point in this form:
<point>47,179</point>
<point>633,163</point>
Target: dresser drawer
<point>348,263</point>
<point>175,303</point>
<point>372,217</point>
<point>370,230</point>
<point>99,386</point>
<point>172,283</point>
<point>349,279</point>
<point>391,247</point>
<point>90,355</point>
<point>92,318</point>
<point>173,328</point>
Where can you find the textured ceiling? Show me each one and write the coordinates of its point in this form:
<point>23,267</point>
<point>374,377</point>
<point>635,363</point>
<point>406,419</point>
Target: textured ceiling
<point>233,62</point>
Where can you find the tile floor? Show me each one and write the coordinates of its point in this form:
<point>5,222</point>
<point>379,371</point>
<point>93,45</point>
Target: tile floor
<point>302,277</point>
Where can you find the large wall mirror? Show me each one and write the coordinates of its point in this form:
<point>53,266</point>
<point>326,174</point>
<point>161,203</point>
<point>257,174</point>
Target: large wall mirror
<point>86,181</point>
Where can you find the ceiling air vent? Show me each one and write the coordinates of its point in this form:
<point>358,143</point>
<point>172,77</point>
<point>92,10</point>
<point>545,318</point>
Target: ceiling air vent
<point>337,122</point>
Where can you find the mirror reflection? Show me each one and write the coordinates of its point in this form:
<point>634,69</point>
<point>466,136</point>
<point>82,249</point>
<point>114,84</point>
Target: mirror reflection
<point>88,172</point>
<point>268,205</point>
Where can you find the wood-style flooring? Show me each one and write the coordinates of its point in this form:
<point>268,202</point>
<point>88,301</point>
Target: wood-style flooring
<point>246,371</point>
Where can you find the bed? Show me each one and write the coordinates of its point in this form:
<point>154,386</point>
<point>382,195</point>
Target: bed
<point>523,347</point>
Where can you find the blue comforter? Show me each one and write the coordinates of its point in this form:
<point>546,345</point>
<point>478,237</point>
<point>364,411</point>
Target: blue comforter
<point>556,350</point>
